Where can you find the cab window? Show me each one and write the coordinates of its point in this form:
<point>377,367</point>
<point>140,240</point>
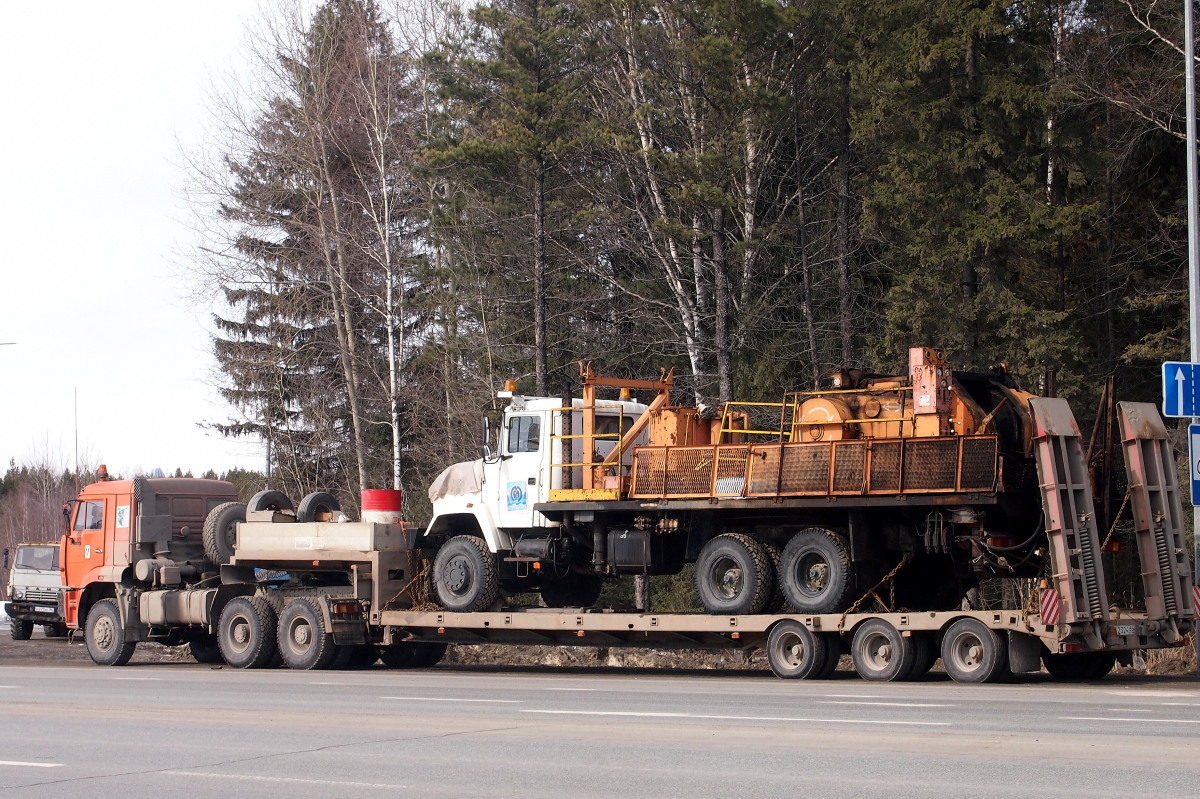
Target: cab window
<point>90,515</point>
<point>524,433</point>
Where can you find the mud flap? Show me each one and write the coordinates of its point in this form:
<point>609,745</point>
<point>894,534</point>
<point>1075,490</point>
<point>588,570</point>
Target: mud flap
<point>1024,653</point>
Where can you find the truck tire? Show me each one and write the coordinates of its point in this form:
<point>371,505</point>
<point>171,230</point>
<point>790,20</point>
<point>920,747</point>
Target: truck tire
<point>303,641</point>
<point>794,652</point>
<point>246,632</point>
<point>105,636</point>
<point>56,630</point>
<point>974,653</point>
<point>880,653</point>
<point>316,503</point>
<point>1079,666</point>
<point>276,501</point>
<point>816,572</point>
<point>220,531</point>
<point>573,591</point>
<point>20,629</point>
<point>733,575</point>
<point>927,654</point>
<point>205,649</point>
<point>464,575</point>
<point>778,601</point>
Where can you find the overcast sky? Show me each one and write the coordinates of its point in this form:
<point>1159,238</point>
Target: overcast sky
<point>100,99</point>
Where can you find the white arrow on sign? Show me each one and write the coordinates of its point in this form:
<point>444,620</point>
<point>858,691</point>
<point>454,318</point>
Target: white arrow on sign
<point>1179,381</point>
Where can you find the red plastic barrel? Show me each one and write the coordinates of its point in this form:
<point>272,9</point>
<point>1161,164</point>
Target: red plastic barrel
<point>382,506</point>
<point>382,499</point>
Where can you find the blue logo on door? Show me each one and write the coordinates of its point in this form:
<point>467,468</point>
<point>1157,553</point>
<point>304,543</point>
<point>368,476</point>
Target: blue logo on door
<point>516,496</point>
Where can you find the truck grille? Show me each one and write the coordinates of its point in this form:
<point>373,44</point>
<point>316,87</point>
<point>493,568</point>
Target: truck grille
<point>47,596</point>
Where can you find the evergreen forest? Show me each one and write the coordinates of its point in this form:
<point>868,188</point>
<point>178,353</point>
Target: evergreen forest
<point>409,205</point>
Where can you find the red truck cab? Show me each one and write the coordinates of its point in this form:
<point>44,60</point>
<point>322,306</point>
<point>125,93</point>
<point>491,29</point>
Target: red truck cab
<point>115,524</point>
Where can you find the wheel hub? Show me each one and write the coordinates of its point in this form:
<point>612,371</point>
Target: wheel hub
<point>729,578</point>
<point>241,632</point>
<point>457,575</point>
<point>301,634</point>
<point>102,633</point>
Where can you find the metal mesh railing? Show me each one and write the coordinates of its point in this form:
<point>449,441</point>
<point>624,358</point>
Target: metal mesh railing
<point>846,468</point>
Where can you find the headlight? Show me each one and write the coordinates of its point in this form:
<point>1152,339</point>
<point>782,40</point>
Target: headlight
<point>17,593</point>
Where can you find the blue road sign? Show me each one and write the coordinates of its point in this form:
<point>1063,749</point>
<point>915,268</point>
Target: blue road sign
<point>1194,460</point>
<point>1181,389</point>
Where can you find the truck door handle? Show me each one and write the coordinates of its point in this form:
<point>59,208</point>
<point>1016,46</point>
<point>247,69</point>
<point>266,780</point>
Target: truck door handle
<point>532,481</point>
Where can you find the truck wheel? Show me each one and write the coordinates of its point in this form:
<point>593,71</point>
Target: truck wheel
<point>880,653</point>
<point>246,632</point>
<point>105,636</point>
<point>927,654</point>
<point>733,575</point>
<point>316,504</point>
<point>206,650</point>
<point>56,630</point>
<point>464,575</point>
<point>778,600</point>
<point>794,652</point>
<point>20,629</point>
<point>220,531</point>
<point>575,590</point>
<point>816,571</point>
<point>276,501</point>
<point>973,653</point>
<point>1079,665</point>
<point>303,641</point>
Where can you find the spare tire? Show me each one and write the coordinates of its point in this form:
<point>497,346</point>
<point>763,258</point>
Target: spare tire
<point>316,504</point>
<point>270,500</point>
<point>220,531</point>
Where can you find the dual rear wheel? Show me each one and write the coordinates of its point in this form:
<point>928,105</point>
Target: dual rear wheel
<point>738,574</point>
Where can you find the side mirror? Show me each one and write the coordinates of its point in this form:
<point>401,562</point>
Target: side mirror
<point>485,444</point>
<point>6,558</point>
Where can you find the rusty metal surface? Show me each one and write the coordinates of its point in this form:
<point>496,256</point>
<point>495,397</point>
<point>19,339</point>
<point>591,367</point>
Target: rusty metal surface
<point>1070,518</point>
<point>879,467</point>
<point>1157,514</point>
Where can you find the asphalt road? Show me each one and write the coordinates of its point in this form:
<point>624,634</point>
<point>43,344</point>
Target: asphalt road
<point>180,729</point>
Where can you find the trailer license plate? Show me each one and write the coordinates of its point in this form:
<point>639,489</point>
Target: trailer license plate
<point>42,609</point>
<point>1126,629</point>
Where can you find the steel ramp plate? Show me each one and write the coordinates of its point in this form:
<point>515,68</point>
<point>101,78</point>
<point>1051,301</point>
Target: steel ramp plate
<point>1070,518</point>
<point>1158,515</point>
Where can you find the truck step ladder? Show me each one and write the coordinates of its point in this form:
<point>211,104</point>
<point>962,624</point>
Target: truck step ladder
<point>1070,520</point>
<point>1158,517</point>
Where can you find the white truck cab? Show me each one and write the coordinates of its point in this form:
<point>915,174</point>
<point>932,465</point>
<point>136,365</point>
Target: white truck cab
<point>493,499</point>
<point>35,590</point>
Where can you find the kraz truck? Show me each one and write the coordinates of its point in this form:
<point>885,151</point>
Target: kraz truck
<point>35,590</point>
<point>869,518</point>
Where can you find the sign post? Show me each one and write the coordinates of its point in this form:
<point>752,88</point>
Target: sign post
<point>1181,399</point>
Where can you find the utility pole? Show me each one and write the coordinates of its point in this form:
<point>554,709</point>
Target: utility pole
<point>1193,244</point>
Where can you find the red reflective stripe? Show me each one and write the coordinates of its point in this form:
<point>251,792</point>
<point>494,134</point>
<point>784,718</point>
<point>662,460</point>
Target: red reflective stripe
<point>1051,606</point>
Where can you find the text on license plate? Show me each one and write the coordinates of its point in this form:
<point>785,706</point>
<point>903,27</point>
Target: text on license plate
<point>1126,629</point>
<point>44,609</point>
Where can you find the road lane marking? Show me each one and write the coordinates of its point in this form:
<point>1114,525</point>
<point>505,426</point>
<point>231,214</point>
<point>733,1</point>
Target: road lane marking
<point>297,780</point>
<point>888,704</point>
<point>855,696</point>
<point>1179,704</point>
<point>730,718</point>
<point>1151,721</point>
<point>1129,710</point>
<point>447,699</point>
<point>138,679</point>
<point>31,765</point>
<point>572,689</point>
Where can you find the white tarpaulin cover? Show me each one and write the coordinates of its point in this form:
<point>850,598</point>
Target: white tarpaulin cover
<point>458,480</point>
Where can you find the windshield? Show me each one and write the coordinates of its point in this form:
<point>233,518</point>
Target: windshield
<point>41,558</point>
